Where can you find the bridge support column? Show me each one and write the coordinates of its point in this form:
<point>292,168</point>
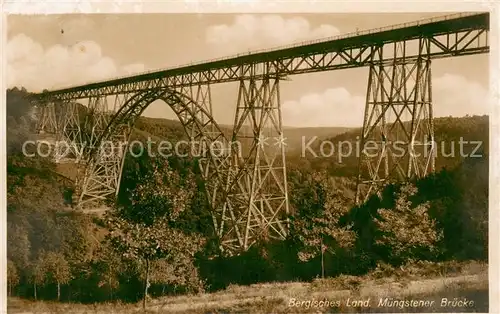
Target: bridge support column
<point>397,140</point>
<point>57,119</point>
<point>69,135</point>
<point>257,203</point>
<point>47,121</point>
<point>99,180</point>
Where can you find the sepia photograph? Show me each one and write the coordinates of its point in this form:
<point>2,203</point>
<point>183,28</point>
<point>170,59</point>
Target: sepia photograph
<point>247,162</point>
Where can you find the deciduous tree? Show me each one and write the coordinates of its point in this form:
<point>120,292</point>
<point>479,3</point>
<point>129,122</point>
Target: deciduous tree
<point>19,245</point>
<point>109,265</point>
<point>319,203</point>
<point>148,243</point>
<point>38,274</point>
<point>406,230</point>
<point>12,276</point>
<point>57,268</point>
<point>144,232</point>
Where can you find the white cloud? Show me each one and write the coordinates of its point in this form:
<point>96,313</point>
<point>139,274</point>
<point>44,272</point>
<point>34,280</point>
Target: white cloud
<point>254,32</point>
<point>453,95</point>
<point>457,96</point>
<point>31,66</point>
<point>333,107</point>
<point>133,68</point>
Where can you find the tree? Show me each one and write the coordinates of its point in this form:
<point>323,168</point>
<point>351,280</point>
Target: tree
<point>148,243</point>
<point>18,244</point>
<point>407,231</point>
<point>12,276</point>
<point>177,270</point>
<point>58,270</point>
<point>75,231</point>
<point>162,272</point>
<point>472,209</point>
<point>109,265</point>
<point>161,192</point>
<point>320,201</point>
<point>38,272</point>
<point>143,230</point>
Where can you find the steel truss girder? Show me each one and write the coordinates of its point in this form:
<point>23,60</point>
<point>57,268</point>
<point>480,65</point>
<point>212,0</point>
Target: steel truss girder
<point>104,168</point>
<point>398,125</point>
<point>257,203</point>
<point>344,53</point>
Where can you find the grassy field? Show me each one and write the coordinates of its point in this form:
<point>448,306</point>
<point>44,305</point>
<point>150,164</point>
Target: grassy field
<point>376,292</point>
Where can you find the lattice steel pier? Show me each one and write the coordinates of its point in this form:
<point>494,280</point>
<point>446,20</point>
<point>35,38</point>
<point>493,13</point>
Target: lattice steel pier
<point>398,126</point>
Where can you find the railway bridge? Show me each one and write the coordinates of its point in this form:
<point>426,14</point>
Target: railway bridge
<point>247,187</point>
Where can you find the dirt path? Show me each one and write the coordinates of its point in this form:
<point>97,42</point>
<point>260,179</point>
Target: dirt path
<point>344,294</point>
<point>279,297</point>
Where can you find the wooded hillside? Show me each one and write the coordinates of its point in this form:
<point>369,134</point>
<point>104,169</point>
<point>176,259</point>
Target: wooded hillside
<point>159,239</point>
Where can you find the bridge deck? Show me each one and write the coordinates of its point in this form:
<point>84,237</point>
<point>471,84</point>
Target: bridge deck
<point>237,67</point>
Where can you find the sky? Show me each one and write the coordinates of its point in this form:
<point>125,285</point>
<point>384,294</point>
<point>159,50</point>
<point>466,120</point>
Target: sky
<point>55,51</point>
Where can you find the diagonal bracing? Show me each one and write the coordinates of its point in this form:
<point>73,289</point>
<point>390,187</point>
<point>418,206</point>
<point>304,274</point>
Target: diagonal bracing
<point>257,203</point>
<point>397,135</point>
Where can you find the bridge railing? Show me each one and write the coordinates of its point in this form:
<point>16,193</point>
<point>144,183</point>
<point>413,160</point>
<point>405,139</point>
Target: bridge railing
<point>302,43</point>
<point>365,32</point>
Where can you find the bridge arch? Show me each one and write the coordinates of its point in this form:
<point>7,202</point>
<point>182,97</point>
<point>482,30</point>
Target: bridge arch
<point>102,175</point>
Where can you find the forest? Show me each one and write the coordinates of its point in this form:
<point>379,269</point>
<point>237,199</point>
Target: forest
<point>160,241</point>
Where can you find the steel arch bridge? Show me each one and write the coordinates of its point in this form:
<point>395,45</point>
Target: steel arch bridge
<point>247,187</point>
